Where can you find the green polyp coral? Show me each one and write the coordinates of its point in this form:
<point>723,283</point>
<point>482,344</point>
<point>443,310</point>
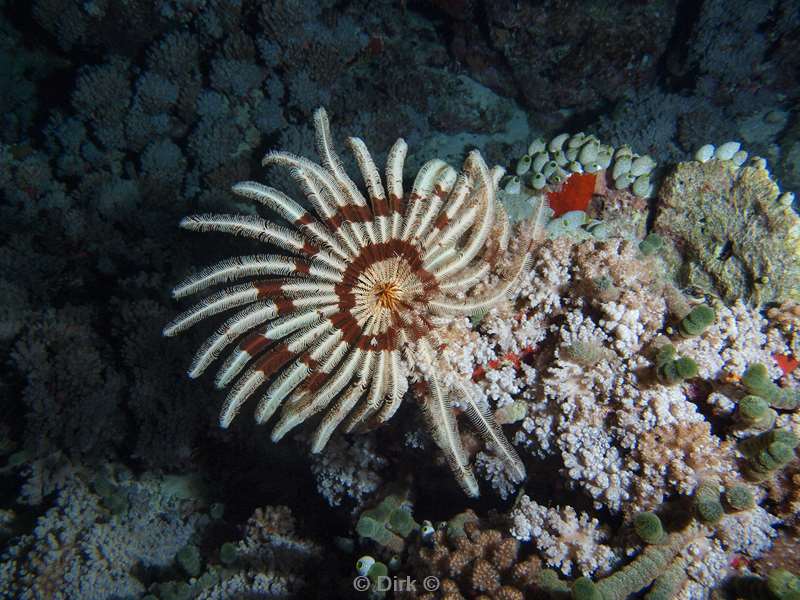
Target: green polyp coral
<point>697,321</point>
<point>388,524</point>
<point>657,564</point>
<point>228,553</point>
<point>768,452</point>
<point>780,584</point>
<point>648,527</point>
<point>669,582</point>
<point>189,560</point>
<point>707,505</point>
<point>754,412</point>
<point>550,582</point>
<point>651,244</point>
<point>756,380</point>
<point>739,498</point>
<point>783,585</point>
<point>585,589</point>
<point>734,235</point>
<point>672,369</point>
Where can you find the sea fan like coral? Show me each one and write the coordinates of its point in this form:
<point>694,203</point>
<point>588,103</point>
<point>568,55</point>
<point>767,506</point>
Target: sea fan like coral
<point>352,306</point>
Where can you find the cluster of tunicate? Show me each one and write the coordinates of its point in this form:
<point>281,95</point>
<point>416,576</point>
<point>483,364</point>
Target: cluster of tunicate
<point>731,151</point>
<point>577,224</point>
<point>552,163</point>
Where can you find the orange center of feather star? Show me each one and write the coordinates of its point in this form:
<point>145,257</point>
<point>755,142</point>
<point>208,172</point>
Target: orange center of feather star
<point>574,194</point>
<point>387,295</point>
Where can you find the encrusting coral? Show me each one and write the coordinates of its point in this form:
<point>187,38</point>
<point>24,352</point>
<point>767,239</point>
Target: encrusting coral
<point>734,233</point>
<point>368,283</point>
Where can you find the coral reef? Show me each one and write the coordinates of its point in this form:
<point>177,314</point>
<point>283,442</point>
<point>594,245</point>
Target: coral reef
<point>82,548</point>
<point>641,370</point>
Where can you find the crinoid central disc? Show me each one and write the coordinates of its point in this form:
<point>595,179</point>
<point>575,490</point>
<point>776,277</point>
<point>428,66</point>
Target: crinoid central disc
<point>383,290</point>
<point>387,295</point>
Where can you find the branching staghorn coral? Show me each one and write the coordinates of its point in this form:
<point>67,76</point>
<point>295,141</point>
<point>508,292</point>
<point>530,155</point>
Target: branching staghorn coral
<point>361,291</point>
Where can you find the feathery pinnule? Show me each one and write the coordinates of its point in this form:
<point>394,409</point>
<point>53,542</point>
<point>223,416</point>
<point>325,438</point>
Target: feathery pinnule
<point>337,320</point>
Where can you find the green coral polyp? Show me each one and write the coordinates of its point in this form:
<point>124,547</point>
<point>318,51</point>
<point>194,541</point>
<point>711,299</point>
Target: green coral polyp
<point>768,452</point>
<point>648,527</point>
<point>780,584</point>
<point>388,524</point>
<point>655,563</point>
<point>756,380</point>
<point>672,370</point>
<point>697,321</point>
<point>783,585</point>
<point>707,503</point>
<point>754,412</point>
<point>228,553</point>
<point>739,498</point>
<point>585,589</point>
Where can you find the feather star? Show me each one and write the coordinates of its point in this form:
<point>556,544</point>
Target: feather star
<point>336,323</point>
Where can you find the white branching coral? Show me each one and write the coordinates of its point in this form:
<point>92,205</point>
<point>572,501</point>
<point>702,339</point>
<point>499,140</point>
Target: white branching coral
<point>678,457</point>
<point>567,540</point>
<point>737,338</point>
<point>348,470</point>
<point>569,367</point>
<point>354,306</point>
